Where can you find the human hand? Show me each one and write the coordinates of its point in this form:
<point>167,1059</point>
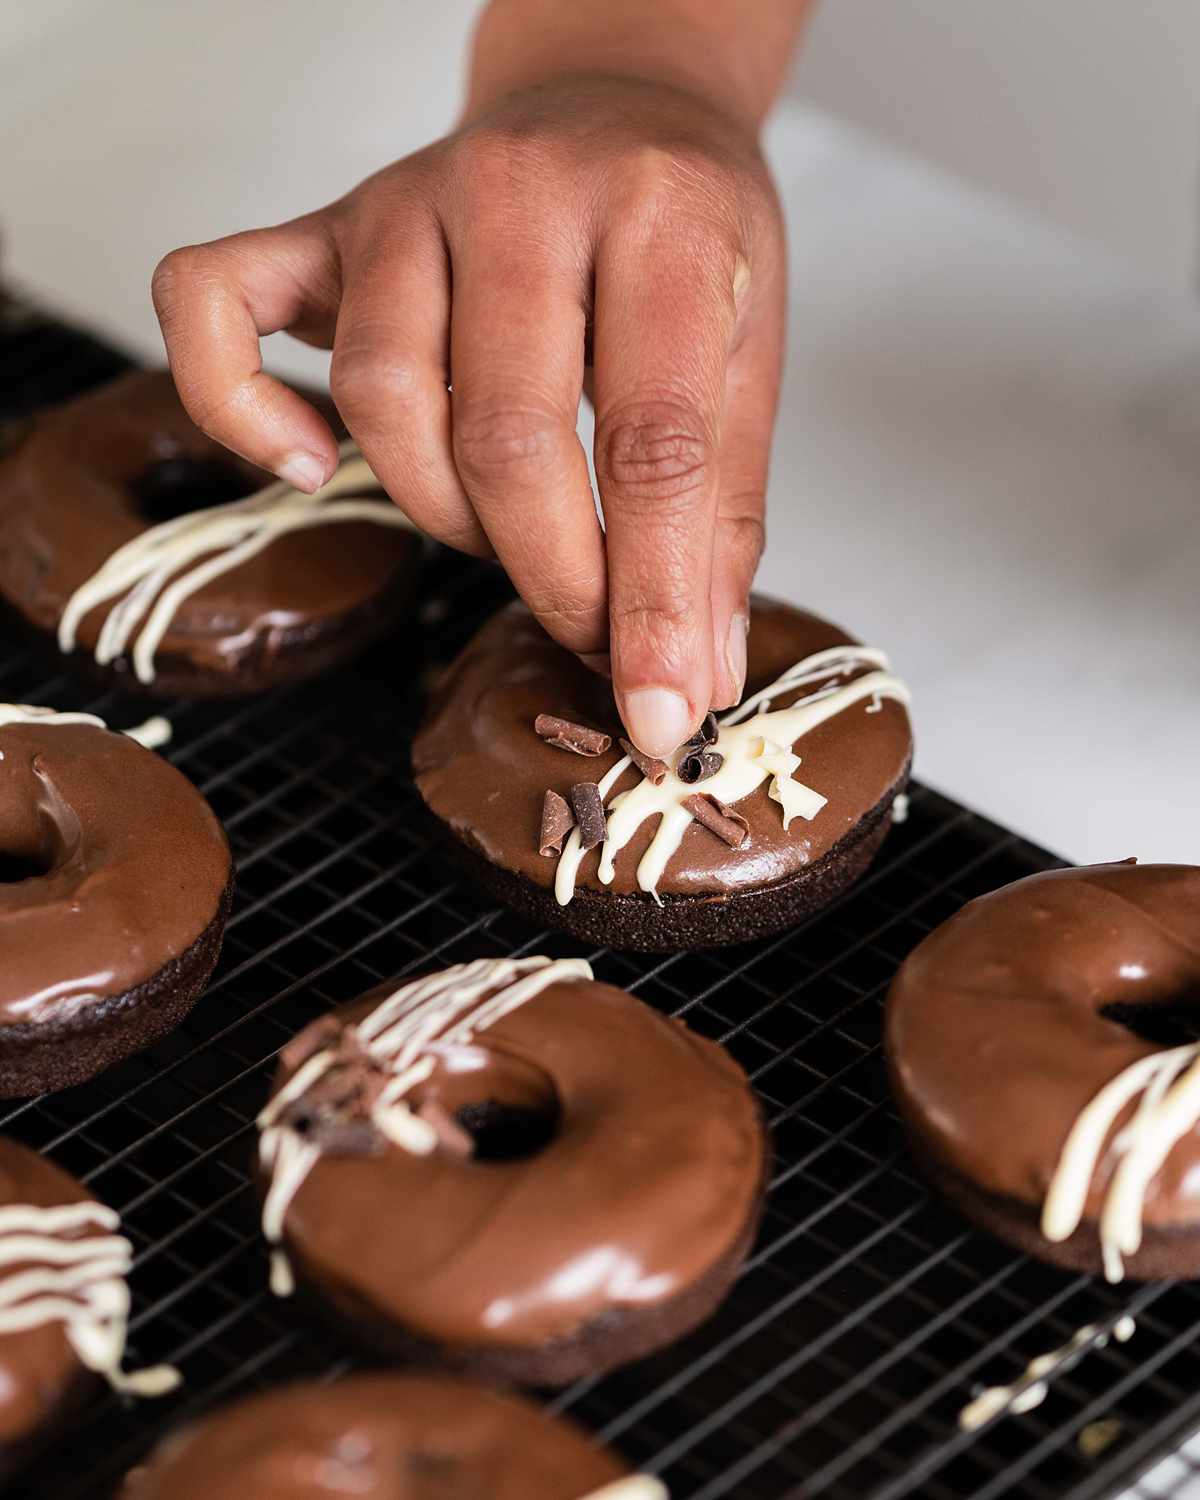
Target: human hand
<point>629,217</point>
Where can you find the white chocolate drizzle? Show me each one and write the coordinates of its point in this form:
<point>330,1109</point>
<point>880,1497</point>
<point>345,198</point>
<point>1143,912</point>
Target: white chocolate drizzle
<point>154,733</point>
<point>635,1487</point>
<point>77,1280</point>
<point>32,713</point>
<point>1169,1109</point>
<point>1032,1388</point>
<point>158,569</point>
<point>754,743</point>
<point>446,1009</point>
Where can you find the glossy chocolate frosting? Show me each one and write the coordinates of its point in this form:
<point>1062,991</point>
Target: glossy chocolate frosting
<point>68,501</point>
<point>996,1029</point>
<point>40,1372</point>
<point>482,770</point>
<point>133,867</point>
<point>652,1175</point>
<point>377,1437</point>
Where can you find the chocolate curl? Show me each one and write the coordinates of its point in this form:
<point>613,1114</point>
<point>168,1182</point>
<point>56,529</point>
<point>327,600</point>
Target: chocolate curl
<point>588,807</point>
<point>565,735</point>
<point>730,827</point>
<point>335,1112</point>
<point>322,1034</point>
<point>653,770</point>
<point>557,822</point>
<point>699,766</point>
<point>705,736</point>
<point>697,762</point>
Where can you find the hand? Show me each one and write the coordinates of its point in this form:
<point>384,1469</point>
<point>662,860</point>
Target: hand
<point>631,216</point>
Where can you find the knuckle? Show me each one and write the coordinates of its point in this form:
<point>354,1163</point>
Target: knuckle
<point>746,534</point>
<point>492,161</point>
<point>666,179</point>
<point>177,272</point>
<point>576,622</point>
<point>496,444</point>
<point>363,376</point>
<point>214,409</point>
<point>654,453</point>
<point>669,609</point>
<point>663,623</point>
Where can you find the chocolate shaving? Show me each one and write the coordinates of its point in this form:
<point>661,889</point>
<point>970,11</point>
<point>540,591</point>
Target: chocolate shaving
<point>336,1136</point>
<point>705,736</point>
<point>334,1112</point>
<point>699,766</point>
<point>557,822</point>
<point>653,770</point>
<point>696,761</point>
<point>565,735</point>
<point>728,825</point>
<point>588,807</point>
<point>325,1032</point>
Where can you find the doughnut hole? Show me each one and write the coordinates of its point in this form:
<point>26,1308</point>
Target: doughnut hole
<point>17,867</point>
<point>39,830</point>
<point>506,1104</point>
<point>1170,1022</point>
<point>183,483</point>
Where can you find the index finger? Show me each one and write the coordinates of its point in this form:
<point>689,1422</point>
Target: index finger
<point>214,302</point>
<point>664,324</point>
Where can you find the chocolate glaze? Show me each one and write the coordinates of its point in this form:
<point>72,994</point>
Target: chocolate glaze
<point>652,1174</point>
<point>68,501</point>
<point>996,1033</point>
<point>377,1437</point>
<point>135,867</point>
<point>482,770</point>
<point>41,1376</point>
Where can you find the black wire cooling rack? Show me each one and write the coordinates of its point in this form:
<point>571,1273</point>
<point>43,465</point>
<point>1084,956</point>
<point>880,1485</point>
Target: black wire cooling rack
<point>867,1315</point>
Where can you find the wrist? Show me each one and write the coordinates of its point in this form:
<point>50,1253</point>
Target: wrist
<point>701,47</point>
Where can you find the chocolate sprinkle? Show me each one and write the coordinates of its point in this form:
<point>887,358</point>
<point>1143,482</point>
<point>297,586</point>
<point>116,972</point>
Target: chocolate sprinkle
<point>699,766</point>
<point>728,825</point>
<point>588,807</point>
<point>653,770</point>
<point>565,735</point>
<point>557,822</point>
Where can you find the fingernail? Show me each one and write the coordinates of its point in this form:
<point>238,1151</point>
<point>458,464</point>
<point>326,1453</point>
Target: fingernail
<point>599,662</point>
<point>735,653</point>
<point>303,471</point>
<point>658,720</point>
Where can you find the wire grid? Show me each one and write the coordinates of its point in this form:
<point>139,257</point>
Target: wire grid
<point>867,1314</point>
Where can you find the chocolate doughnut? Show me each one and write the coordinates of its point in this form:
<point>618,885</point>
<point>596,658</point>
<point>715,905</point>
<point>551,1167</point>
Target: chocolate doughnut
<point>726,846</point>
<point>385,1437</point>
<point>510,1168</point>
<point>176,568</point>
<point>115,880</point>
<point>1026,1040</point>
<point>64,1303</point>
